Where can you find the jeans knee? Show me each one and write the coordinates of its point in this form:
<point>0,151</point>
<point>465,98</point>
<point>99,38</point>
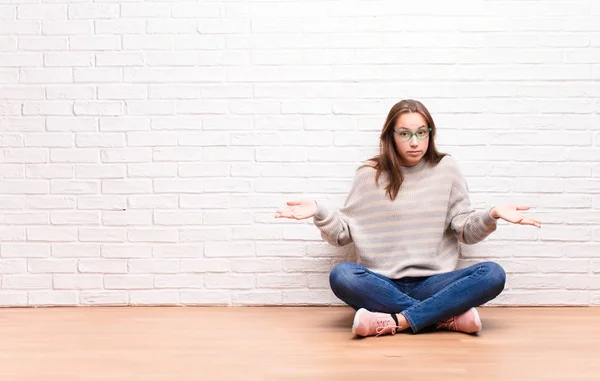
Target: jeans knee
<point>496,276</point>
<point>342,275</point>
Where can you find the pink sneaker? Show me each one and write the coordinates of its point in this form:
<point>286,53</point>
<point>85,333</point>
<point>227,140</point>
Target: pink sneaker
<point>367,323</point>
<point>467,322</point>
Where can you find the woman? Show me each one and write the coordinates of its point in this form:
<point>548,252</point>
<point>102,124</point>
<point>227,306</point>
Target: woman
<point>406,212</point>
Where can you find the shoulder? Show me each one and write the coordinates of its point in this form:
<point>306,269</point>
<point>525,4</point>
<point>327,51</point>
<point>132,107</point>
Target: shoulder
<point>366,167</point>
<point>449,166</point>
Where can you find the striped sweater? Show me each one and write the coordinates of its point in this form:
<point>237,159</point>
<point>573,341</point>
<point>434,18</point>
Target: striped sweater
<point>415,235</point>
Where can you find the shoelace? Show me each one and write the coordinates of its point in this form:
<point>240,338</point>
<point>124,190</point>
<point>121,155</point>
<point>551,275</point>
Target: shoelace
<point>384,326</point>
<point>449,324</point>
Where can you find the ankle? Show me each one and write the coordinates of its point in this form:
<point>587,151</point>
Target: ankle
<point>402,322</point>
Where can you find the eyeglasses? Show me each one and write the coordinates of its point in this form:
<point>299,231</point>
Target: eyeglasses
<point>406,135</point>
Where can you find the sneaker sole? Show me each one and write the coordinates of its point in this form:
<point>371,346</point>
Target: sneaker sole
<point>477,320</point>
<point>356,320</point>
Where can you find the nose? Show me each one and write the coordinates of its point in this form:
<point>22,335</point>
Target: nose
<point>413,142</point>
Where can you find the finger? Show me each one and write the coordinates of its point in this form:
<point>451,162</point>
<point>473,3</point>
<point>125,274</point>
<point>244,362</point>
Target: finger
<point>293,203</point>
<point>527,221</point>
<point>523,207</point>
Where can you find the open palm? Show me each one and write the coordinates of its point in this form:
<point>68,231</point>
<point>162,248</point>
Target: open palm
<point>298,210</point>
<point>511,213</point>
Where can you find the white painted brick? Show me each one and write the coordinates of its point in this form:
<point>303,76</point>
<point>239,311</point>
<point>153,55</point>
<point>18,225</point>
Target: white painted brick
<point>24,187</point>
<point>178,154</point>
<point>105,108</point>
<point>76,282</point>
<point>260,298</point>
<point>73,187</point>
<point>257,169</point>
<point>227,185</point>
<point>281,281</point>
<point>205,265</point>
<point>140,186</point>
<point>101,202</point>
<point>104,298</point>
<point>120,26</point>
<point>205,234</point>
<point>171,58</point>
<point>126,218</point>
<point>128,282</point>
<point>153,266</point>
<point>20,28</point>
<point>77,250</point>
<point>177,186</point>
<point>124,124</point>
<point>280,185</point>
<point>177,251</point>
<point>105,140</point>
<point>75,218</point>
<point>126,251</point>
<point>26,282</point>
<point>43,43</point>
<point>179,281</point>
<point>94,43</point>
<point>70,124</point>
<point>51,298</point>
<point>76,155</point>
<point>229,281</point>
<point>12,234</point>
<point>29,250</point>
<point>93,11</point>
<point>180,218</point>
<point>152,170</point>
<point>42,12</point>
<point>119,59</point>
<point>102,234</point>
<point>12,203</point>
<point>153,202</point>
<point>204,297</point>
<point>256,265</point>
<point>126,155</point>
<point>12,266</point>
<point>280,250</point>
<point>66,28</point>
<point>49,171</point>
<point>120,92</point>
<point>22,92</point>
<point>204,169</point>
<point>24,218</point>
<point>162,25</point>
<point>13,298</point>
<point>227,249</point>
<point>150,108</point>
<point>152,235</point>
<point>154,297</point>
<point>46,75</point>
<point>148,42</point>
<point>68,92</point>
<point>227,218</point>
<point>256,233</point>
<point>311,297</point>
<point>102,266</point>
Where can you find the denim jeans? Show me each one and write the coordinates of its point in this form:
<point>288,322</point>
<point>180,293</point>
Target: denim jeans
<point>423,301</point>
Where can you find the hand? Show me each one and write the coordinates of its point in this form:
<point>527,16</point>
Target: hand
<point>299,210</point>
<point>511,214</point>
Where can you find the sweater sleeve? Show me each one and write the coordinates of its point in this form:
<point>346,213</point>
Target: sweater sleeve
<point>469,225</point>
<point>333,223</point>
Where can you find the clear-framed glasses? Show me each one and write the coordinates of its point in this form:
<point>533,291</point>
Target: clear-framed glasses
<point>406,135</point>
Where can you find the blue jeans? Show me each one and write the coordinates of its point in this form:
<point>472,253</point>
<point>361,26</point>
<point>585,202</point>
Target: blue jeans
<point>423,301</point>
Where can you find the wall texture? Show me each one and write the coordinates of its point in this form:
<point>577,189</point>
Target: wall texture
<point>145,146</point>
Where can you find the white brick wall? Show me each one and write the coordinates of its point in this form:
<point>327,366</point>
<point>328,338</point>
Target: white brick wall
<point>144,147</point>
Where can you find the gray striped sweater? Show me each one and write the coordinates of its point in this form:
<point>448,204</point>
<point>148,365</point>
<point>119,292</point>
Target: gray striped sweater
<point>415,235</point>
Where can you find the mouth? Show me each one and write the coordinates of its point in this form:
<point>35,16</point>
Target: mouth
<point>413,153</point>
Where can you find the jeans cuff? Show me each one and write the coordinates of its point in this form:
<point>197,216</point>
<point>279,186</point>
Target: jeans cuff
<point>406,315</point>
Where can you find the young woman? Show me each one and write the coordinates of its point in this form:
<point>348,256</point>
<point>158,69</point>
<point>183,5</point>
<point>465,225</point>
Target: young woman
<point>406,212</point>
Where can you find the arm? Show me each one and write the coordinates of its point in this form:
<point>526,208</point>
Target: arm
<point>469,225</point>
<point>333,225</point>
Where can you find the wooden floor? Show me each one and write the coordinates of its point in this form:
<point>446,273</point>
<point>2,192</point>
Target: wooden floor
<point>304,343</point>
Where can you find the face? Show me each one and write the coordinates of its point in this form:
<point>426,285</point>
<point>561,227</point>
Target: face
<point>410,147</point>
